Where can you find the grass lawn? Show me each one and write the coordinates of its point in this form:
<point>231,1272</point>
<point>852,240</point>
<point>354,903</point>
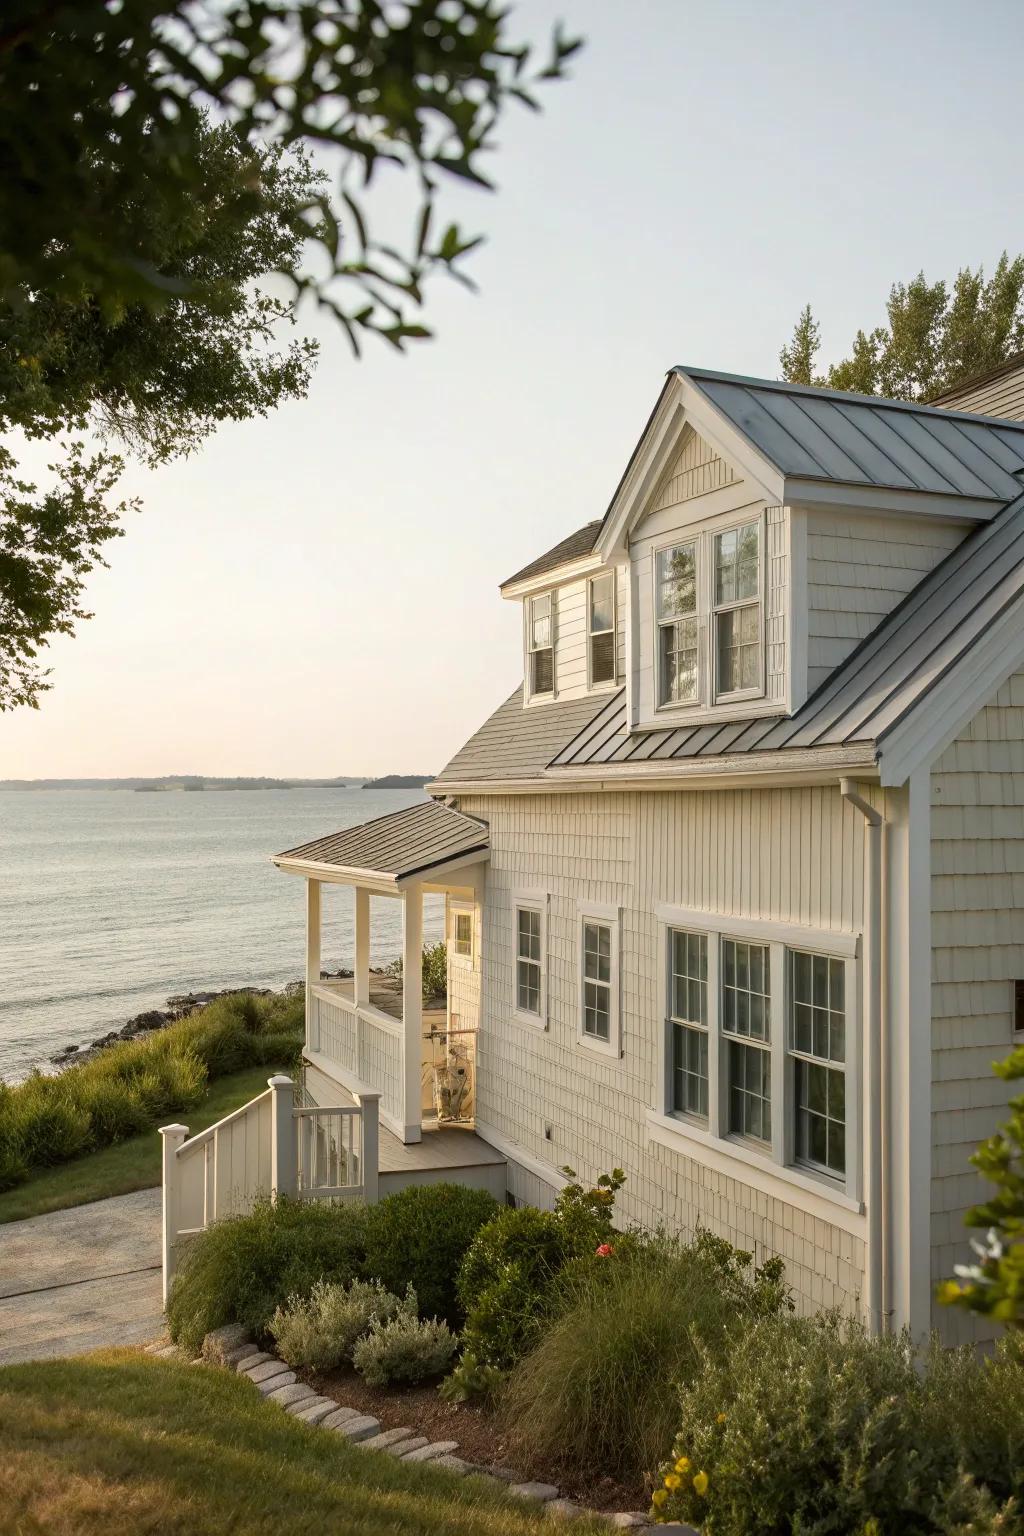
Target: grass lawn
<point>127,1165</point>
<point>118,1443</point>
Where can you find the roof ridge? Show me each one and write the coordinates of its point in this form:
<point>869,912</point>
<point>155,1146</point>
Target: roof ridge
<point>782,386</point>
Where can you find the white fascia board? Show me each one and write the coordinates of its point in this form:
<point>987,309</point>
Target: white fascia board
<point>557,576</point>
<point>681,405</point>
<point>832,496</point>
<point>339,874</point>
<point>940,715</point>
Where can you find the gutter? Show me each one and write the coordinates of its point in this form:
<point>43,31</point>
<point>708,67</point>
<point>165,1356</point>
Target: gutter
<point>877,1116</point>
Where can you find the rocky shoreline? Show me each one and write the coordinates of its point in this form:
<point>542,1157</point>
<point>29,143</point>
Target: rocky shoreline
<point>176,1007</point>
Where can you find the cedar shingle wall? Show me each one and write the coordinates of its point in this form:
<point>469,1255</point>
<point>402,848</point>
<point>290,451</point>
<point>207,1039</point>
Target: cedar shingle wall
<point>858,569</point>
<point>787,854</point>
<point>977,878</point>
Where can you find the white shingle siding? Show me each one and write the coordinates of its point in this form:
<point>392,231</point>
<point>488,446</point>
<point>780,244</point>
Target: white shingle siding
<point>858,569</point>
<point>791,855</point>
<point>571,637</point>
<point>977,885</point>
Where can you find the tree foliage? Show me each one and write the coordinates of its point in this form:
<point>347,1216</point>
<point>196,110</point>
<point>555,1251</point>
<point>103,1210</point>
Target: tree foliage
<point>994,1285</point>
<point>937,335</point>
<point>419,86</point>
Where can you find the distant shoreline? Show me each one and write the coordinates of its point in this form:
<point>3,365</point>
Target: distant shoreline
<point>192,783</point>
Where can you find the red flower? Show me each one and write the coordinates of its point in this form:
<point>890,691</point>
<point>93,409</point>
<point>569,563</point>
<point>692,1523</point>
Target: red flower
<point>604,1250</point>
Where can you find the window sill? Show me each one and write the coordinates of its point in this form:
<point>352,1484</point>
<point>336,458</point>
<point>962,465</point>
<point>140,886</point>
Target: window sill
<point>605,1048</point>
<point>677,715</point>
<point>534,1021</point>
<point>739,1160</point>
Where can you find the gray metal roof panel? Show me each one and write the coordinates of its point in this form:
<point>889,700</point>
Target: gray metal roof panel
<point>407,842</point>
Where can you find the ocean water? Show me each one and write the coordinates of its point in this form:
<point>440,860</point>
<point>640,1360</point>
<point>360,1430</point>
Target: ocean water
<point>112,900</point>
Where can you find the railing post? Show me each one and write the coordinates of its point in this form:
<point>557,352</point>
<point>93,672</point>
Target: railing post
<point>173,1136</point>
<point>369,1106</point>
<point>283,1137</point>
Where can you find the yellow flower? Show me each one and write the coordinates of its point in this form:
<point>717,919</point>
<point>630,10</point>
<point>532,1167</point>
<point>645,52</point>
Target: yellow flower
<point>683,1464</point>
<point>700,1484</point>
<point>658,1497</point>
<point>721,1418</point>
<point>949,1291</point>
<point>673,1481</point>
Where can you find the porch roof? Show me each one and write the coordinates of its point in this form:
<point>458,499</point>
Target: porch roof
<point>391,850</point>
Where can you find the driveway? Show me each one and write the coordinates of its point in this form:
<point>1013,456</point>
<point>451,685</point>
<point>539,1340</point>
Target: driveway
<point>81,1279</point>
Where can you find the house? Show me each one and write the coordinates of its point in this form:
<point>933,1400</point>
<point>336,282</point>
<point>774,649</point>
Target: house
<point>734,880</point>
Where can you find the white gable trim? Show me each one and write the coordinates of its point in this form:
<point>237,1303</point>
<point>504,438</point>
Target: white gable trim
<point>679,406</point>
<point>938,718</point>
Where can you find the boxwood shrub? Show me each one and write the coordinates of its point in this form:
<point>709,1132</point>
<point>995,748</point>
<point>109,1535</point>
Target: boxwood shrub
<point>419,1237</point>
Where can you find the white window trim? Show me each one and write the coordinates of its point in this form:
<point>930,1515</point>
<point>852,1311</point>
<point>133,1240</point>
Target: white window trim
<point>533,901</point>
<point>464,909</point>
<point>610,684</point>
<point>778,1160</point>
<point>610,916</point>
<point>708,700</point>
<point>528,694</point>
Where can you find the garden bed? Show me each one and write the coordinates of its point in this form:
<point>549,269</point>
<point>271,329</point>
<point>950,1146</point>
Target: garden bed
<point>422,1409</point>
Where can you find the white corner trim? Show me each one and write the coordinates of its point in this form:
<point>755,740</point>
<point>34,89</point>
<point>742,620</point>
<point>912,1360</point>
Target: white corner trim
<point>516,1154</point>
<point>797,935</point>
<point>802,1190</point>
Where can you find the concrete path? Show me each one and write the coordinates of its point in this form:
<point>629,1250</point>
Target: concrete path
<point>81,1279</point>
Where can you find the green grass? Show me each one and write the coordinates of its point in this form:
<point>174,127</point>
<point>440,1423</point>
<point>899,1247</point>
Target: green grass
<point>117,1443</point>
<point>128,1165</point>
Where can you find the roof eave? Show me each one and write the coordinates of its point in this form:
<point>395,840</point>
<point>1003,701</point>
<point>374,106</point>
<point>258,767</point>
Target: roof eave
<point>382,881</point>
<point>570,570</point>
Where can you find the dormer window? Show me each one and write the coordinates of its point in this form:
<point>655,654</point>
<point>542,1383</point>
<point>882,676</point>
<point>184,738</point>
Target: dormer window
<point>541,644</point>
<point>737,610</point>
<point>677,624</point>
<point>601,628</point>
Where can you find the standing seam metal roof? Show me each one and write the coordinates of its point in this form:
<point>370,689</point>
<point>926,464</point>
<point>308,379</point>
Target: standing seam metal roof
<point>829,435</point>
<point>406,842</point>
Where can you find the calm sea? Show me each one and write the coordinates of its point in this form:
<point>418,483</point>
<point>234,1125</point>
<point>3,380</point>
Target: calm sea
<point>111,900</point>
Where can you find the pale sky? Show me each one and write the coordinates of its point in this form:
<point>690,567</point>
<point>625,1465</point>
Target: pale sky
<point>316,593</point>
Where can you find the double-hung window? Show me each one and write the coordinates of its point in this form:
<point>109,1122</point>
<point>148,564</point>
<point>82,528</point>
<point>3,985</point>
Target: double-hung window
<point>817,1043</point>
<point>737,610</point>
<point>760,1043</point>
<point>541,643</point>
<point>463,935</point>
<point>601,628</point>
<point>599,978</point>
<point>529,938</point>
<point>678,635</point>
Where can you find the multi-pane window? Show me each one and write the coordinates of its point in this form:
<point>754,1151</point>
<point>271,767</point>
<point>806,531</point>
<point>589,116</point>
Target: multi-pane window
<point>746,1019</point>
<point>528,959</point>
<point>817,988</point>
<point>688,1004</point>
<point>464,934</point>
<point>676,575</point>
<point>597,980</point>
<point>737,604</point>
<point>601,628</point>
<point>542,644</point>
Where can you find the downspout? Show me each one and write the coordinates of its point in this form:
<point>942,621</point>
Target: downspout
<point>876,1070</point>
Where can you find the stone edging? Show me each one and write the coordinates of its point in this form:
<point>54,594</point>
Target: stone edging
<point>232,1347</point>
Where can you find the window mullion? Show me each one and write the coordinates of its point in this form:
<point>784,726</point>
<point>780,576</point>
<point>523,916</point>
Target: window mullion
<point>781,1137</point>
<point>716,1072</point>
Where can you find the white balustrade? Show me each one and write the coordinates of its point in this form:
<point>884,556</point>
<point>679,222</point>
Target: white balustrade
<point>366,1043</point>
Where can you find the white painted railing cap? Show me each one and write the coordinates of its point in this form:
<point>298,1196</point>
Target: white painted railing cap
<point>174,1130</point>
<point>366,1095</point>
<point>280,1080</point>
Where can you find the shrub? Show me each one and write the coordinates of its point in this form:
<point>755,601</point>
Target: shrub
<point>243,1269</point>
<point>134,1084</point>
<point>601,1384</point>
<point>321,1329</point>
<point>405,1348</point>
<point>504,1285</point>
<point>810,1425</point>
<point>420,1237</point>
<point>435,970</point>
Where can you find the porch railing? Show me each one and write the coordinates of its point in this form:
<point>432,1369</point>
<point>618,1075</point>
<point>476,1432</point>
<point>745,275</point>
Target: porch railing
<point>368,1044</point>
<point>269,1147</point>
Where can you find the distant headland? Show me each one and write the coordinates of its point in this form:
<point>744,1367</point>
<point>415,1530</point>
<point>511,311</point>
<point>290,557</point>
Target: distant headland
<point>191,782</point>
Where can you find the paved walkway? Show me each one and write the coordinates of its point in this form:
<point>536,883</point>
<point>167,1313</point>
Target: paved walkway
<point>81,1279</point>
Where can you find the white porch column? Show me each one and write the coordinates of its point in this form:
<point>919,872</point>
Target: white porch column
<point>361,963</point>
<point>312,955</point>
<point>412,1009</point>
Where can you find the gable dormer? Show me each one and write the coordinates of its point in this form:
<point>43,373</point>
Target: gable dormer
<point>766,529</point>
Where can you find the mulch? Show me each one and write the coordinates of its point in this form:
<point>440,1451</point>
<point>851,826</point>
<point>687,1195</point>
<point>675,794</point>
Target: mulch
<point>422,1409</point>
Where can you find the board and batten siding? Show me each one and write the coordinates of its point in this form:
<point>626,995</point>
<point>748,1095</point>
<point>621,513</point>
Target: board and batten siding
<point>791,855</point>
<point>977,884</point>
<point>858,569</point>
